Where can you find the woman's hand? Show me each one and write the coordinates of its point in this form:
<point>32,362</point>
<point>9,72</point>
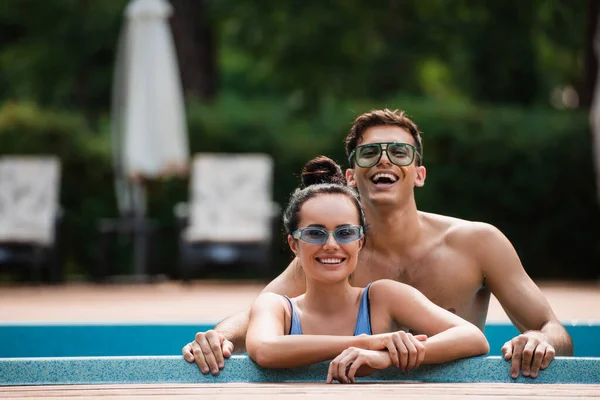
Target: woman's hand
<point>405,350</point>
<point>343,368</point>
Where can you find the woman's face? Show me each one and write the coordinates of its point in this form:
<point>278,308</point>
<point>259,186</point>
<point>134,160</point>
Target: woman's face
<point>331,261</point>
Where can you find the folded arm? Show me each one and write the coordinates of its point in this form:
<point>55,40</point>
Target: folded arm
<point>208,349</point>
<point>270,347</point>
<point>449,336</point>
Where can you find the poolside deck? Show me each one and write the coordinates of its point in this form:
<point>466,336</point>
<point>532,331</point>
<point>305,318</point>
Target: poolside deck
<point>211,301</point>
<point>308,391</point>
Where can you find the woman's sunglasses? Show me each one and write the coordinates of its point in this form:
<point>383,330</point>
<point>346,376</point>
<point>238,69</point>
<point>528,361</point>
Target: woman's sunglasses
<point>316,235</point>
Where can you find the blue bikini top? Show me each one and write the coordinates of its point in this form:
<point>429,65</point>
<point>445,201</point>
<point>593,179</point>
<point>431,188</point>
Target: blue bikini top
<point>363,321</point>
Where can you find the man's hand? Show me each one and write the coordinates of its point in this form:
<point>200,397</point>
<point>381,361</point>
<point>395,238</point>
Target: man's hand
<point>344,367</point>
<point>406,351</point>
<point>530,352</point>
<point>208,350</point>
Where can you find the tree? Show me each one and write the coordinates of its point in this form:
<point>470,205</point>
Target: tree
<point>194,37</point>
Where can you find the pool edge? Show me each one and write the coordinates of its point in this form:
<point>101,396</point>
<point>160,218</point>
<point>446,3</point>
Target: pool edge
<point>173,369</point>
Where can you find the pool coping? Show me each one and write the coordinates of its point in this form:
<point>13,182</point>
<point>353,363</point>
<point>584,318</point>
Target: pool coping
<point>173,369</point>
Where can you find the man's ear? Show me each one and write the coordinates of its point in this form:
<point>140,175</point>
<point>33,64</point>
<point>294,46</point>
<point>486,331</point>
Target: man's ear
<point>293,244</point>
<point>351,182</point>
<point>421,173</point>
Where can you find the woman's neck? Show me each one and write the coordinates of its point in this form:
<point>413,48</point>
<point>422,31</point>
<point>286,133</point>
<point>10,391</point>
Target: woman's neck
<point>328,297</point>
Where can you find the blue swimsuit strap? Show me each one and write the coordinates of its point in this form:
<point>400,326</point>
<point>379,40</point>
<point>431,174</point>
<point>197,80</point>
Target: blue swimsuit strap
<point>295,327</point>
<point>363,321</point>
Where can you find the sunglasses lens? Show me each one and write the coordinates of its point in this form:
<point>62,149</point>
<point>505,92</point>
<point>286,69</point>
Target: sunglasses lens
<point>368,155</point>
<point>314,235</point>
<point>400,154</point>
<point>347,234</point>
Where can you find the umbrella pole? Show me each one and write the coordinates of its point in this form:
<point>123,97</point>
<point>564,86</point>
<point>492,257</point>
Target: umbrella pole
<point>140,229</point>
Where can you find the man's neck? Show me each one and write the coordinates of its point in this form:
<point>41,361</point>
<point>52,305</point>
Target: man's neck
<point>393,230</point>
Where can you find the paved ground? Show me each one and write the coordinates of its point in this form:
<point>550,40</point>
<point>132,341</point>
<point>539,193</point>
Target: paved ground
<point>212,301</point>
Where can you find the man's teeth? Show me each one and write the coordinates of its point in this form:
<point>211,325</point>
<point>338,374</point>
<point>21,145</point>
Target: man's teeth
<point>330,260</point>
<point>381,175</point>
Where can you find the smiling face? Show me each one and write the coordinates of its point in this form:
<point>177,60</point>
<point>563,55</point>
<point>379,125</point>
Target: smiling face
<point>385,182</point>
<point>331,261</point>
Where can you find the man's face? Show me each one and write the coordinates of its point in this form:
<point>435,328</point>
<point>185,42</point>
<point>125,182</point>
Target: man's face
<point>385,182</point>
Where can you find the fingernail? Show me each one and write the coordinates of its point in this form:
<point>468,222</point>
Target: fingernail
<point>514,375</point>
<point>205,370</point>
<point>221,365</point>
<point>525,373</point>
<point>215,371</point>
<point>533,375</point>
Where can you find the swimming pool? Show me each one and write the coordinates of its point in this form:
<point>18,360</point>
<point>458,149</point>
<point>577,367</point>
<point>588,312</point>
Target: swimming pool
<point>50,354</point>
<point>92,340</point>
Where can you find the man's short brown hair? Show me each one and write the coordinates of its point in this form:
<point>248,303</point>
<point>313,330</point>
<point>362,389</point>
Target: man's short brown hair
<point>383,117</point>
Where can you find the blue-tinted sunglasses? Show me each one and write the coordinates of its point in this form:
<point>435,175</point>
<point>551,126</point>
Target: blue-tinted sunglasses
<point>316,235</point>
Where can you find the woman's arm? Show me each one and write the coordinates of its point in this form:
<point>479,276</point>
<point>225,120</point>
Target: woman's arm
<point>357,362</point>
<point>449,336</point>
<point>270,347</point>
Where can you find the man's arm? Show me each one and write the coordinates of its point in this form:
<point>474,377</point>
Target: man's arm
<point>210,348</point>
<point>542,334</point>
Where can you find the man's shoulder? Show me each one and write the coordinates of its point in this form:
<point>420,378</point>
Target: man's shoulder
<point>457,231</point>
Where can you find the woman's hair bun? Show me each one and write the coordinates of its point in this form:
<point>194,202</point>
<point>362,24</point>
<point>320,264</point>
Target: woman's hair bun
<point>322,170</point>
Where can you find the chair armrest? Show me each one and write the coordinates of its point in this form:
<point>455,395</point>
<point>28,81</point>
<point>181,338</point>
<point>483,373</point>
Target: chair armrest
<point>181,211</point>
<point>275,210</point>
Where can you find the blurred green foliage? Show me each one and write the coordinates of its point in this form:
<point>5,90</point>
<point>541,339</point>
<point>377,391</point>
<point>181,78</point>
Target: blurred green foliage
<point>61,52</point>
<point>527,172</point>
<point>476,76</point>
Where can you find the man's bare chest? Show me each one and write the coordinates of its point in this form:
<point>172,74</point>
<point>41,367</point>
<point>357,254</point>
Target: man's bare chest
<point>449,280</point>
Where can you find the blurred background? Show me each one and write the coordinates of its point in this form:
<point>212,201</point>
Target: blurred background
<point>502,91</point>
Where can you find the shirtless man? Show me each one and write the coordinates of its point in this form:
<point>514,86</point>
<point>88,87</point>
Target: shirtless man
<point>457,264</point>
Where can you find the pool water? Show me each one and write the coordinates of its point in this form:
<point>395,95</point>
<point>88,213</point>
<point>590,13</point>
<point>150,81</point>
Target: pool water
<point>91,340</point>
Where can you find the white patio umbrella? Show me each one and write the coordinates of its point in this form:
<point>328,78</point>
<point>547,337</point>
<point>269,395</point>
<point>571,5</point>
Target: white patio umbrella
<point>149,133</point>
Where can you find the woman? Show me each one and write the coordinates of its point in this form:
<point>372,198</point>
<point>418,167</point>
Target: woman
<point>326,229</point>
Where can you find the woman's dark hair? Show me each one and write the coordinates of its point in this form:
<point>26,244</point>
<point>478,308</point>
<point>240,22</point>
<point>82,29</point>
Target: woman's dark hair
<point>320,175</point>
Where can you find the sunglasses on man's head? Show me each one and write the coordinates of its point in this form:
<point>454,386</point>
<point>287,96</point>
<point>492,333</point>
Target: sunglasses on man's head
<point>317,235</point>
<point>368,155</point>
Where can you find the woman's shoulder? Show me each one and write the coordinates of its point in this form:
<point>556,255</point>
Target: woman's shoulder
<point>269,300</point>
<point>388,284</point>
<point>386,288</point>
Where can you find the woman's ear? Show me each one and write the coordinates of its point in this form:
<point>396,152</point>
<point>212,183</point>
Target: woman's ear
<point>361,243</point>
<point>293,244</point>
<point>420,179</point>
<point>350,178</point>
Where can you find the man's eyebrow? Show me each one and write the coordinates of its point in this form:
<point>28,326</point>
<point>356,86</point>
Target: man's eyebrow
<point>316,225</point>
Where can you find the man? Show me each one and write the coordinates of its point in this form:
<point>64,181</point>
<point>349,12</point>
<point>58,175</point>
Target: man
<point>456,263</point>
